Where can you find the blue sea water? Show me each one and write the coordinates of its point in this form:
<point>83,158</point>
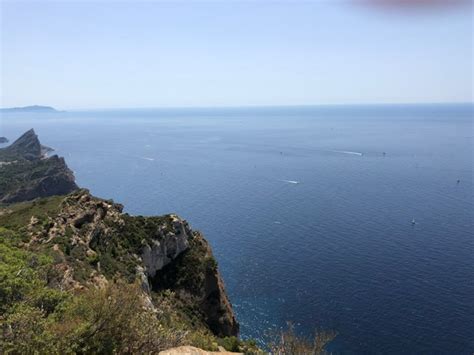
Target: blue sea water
<point>310,222</point>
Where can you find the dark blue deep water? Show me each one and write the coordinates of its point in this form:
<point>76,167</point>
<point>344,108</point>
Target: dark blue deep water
<point>337,249</point>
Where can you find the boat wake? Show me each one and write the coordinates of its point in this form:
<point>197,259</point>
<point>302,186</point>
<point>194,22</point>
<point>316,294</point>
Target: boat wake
<point>347,152</point>
<point>291,181</point>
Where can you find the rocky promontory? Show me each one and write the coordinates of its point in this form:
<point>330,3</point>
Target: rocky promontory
<point>163,252</point>
<point>26,172</point>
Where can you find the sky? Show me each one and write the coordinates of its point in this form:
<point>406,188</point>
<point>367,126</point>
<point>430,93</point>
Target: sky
<point>108,54</point>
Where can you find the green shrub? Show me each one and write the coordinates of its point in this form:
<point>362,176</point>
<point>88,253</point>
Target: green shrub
<point>211,263</point>
<point>230,343</point>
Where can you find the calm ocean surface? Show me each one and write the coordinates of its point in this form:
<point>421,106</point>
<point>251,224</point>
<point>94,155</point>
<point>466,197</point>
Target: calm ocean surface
<point>337,249</point>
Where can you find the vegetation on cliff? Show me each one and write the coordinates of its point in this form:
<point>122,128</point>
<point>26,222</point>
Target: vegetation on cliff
<point>70,282</point>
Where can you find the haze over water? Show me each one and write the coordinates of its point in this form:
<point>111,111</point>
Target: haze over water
<point>308,218</point>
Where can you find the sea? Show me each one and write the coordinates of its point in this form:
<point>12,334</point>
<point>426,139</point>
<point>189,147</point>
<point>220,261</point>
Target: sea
<point>356,219</point>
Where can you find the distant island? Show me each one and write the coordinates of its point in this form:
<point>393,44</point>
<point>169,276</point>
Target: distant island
<point>3,140</point>
<point>34,108</point>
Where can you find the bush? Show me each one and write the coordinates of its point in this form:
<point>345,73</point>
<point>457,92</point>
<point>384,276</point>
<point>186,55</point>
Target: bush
<point>230,343</point>
<point>35,318</point>
<point>288,342</point>
<point>210,263</point>
<point>107,321</point>
<point>114,319</point>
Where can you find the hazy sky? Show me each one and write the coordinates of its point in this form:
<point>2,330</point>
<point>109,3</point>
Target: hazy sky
<point>109,54</point>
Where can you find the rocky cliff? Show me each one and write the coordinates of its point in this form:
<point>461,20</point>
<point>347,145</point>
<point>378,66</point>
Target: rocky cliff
<point>27,173</point>
<point>93,241</point>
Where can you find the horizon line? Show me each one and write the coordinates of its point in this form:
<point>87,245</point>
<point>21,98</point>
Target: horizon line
<point>263,106</point>
<point>256,106</point>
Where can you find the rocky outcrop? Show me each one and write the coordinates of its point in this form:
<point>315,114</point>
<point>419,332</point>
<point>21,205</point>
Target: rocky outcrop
<point>3,140</point>
<point>26,147</point>
<point>95,241</point>
<point>27,173</point>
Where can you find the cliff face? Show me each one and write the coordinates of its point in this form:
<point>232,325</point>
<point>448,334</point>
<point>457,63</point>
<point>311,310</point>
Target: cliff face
<point>183,262</point>
<point>194,275</point>
<point>26,173</point>
<point>158,253</point>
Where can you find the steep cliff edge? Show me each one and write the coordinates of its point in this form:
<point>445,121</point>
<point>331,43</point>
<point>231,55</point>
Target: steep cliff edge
<point>194,275</point>
<point>27,173</point>
<point>93,241</point>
